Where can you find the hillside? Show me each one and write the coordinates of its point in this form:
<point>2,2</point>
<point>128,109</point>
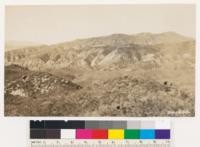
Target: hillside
<point>123,73</point>
<point>113,50</point>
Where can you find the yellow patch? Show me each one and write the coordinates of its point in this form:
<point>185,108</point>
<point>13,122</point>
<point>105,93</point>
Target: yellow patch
<point>115,134</point>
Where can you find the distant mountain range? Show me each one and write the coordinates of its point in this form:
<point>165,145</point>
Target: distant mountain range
<point>108,51</point>
<point>12,45</point>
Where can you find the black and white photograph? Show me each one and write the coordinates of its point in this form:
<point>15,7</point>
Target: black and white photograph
<point>133,60</point>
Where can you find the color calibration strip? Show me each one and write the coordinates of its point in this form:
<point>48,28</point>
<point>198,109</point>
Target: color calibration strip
<point>111,130</point>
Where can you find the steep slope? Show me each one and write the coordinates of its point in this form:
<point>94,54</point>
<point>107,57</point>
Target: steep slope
<point>114,50</point>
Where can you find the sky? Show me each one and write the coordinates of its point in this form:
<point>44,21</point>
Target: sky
<point>54,24</point>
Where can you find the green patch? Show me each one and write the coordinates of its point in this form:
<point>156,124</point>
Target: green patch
<point>131,134</point>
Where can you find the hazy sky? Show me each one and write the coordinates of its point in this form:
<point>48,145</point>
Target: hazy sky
<point>52,24</point>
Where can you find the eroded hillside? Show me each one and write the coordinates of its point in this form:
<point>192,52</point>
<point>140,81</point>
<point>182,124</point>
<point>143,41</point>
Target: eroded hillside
<point>118,75</point>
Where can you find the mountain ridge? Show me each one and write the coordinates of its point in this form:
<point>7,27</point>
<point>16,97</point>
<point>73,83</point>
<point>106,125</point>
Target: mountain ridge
<point>98,51</point>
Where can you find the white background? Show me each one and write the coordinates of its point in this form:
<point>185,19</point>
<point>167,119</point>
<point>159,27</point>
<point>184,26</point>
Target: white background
<point>14,130</point>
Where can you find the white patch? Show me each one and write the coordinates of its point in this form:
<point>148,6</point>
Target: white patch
<point>19,92</point>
